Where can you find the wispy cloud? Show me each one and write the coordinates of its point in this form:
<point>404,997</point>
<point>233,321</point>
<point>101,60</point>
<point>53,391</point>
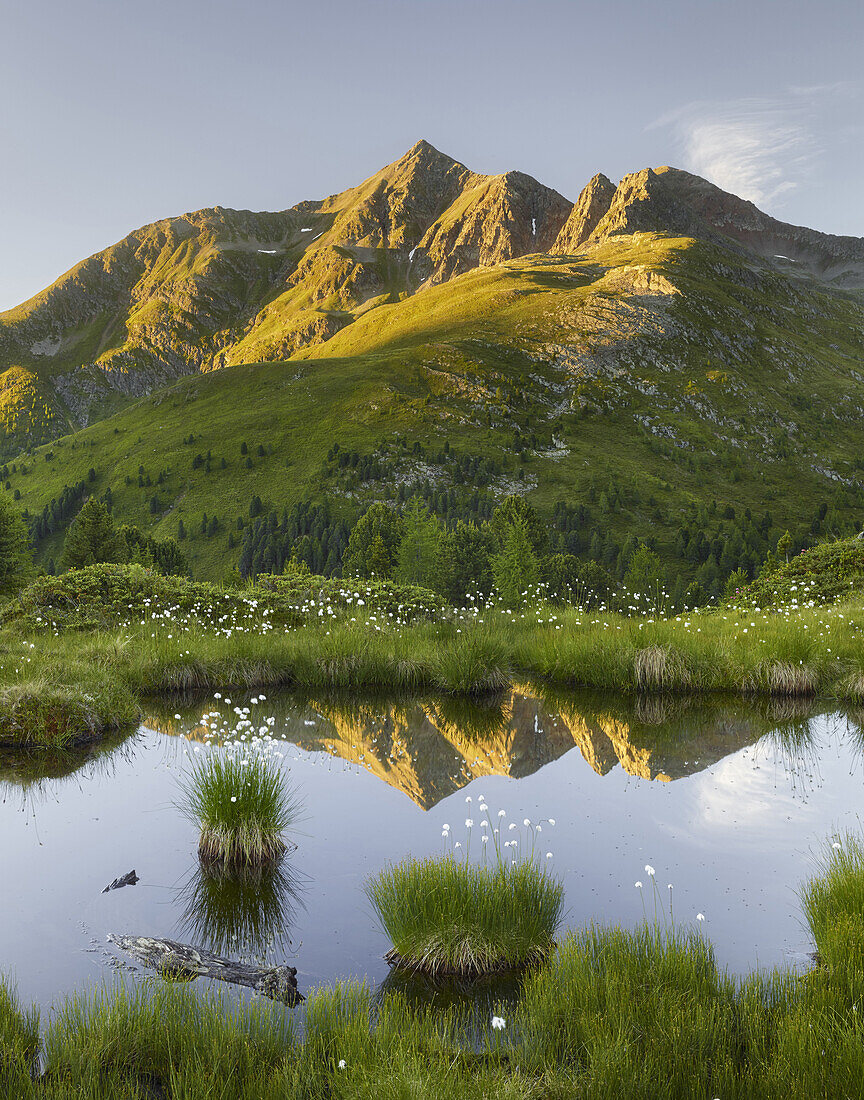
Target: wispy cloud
<point>760,149</point>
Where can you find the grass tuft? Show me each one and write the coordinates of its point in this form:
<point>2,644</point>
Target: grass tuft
<point>447,917</point>
<point>784,678</point>
<point>659,668</point>
<point>243,805</point>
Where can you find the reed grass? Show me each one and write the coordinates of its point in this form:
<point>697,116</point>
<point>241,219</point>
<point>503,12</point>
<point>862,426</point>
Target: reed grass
<point>167,1041</point>
<point>833,904</point>
<point>19,1040</point>
<point>243,804</point>
<point>451,917</point>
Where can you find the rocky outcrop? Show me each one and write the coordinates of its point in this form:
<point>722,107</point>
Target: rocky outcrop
<point>593,202</point>
<point>668,200</point>
<point>497,218</point>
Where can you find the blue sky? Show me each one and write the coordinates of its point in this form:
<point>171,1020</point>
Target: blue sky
<point>116,114</point>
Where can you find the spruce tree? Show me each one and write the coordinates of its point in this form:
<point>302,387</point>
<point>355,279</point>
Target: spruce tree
<point>415,557</point>
<point>16,560</point>
<point>92,537</point>
<point>516,568</point>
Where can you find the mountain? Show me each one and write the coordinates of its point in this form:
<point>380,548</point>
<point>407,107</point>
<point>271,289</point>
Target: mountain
<point>219,287</point>
<point>654,355</point>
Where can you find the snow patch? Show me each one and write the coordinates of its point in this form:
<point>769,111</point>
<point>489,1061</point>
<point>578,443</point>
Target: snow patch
<point>411,254</point>
<point>788,259</point>
<point>309,229</point>
<point>268,251</point>
<point>533,227</point>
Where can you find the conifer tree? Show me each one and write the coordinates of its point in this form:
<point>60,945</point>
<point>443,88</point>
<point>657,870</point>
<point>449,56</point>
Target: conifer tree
<point>92,537</point>
<point>16,560</point>
<point>516,569</point>
<point>415,557</point>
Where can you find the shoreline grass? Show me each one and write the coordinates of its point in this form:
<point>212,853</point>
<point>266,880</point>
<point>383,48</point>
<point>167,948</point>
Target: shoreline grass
<point>644,1012</point>
<point>59,682</point>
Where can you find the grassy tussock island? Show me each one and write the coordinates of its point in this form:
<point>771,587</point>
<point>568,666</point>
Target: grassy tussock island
<point>613,1013</point>
<point>446,917</point>
<point>76,652</point>
<point>243,805</point>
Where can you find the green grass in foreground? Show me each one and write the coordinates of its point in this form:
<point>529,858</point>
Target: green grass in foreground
<point>451,917</point>
<point>613,1013</point>
<point>243,804</point>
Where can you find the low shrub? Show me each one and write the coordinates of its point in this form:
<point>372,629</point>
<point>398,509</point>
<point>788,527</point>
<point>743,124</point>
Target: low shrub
<point>819,575</point>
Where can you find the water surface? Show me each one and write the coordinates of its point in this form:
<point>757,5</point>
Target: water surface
<point>727,801</point>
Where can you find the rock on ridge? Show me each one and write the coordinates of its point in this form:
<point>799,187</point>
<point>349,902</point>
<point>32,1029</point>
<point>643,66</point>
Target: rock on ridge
<point>593,202</point>
<point>496,218</point>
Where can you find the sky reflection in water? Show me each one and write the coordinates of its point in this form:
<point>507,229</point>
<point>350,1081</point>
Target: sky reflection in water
<point>726,800</point>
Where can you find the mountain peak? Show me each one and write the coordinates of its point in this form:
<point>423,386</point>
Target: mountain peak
<point>593,202</point>
<point>423,154</point>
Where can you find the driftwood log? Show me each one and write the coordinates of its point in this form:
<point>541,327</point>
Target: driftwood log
<point>180,961</point>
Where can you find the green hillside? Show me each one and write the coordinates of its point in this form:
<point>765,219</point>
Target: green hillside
<point>644,378</point>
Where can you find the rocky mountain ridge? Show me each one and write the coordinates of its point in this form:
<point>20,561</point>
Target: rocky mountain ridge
<point>221,287</point>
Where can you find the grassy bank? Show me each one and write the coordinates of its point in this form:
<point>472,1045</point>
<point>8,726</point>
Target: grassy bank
<point>77,652</point>
<point>644,1013</point>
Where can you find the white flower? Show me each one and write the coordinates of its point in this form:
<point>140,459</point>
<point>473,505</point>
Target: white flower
<point>498,1022</point>
<point>527,821</point>
<point>649,870</point>
<point>836,846</point>
<point>501,813</point>
<point>551,820</point>
<point>700,916</point>
<point>668,885</point>
<point>512,825</point>
<point>468,798</point>
<point>638,884</point>
<point>341,1063</point>
<point>468,822</point>
<point>548,855</point>
<point>233,797</point>
<point>177,716</point>
<point>446,827</point>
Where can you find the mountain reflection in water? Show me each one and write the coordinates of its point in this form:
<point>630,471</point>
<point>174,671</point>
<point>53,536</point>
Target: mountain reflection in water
<point>431,747</point>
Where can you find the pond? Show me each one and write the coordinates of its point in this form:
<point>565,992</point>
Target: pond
<point>728,801</point>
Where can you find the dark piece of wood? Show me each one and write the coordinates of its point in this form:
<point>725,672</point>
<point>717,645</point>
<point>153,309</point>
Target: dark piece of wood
<point>129,879</point>
<point>179,960</point>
